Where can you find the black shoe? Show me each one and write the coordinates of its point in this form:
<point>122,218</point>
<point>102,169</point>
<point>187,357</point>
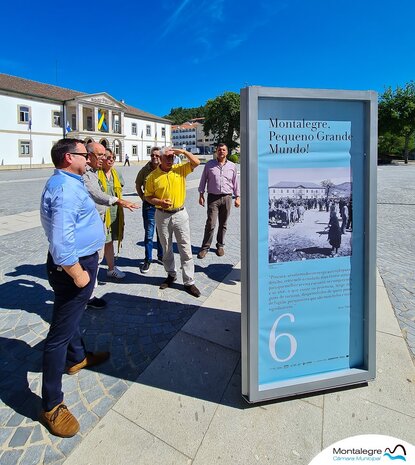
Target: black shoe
<point>159,260</point>
<point>96,302</point>
<point>145,267</point>
<point>192,290</point>
<point>167,282</point>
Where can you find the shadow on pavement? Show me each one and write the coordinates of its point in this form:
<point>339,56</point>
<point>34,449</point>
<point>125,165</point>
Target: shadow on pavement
<point>17,359</point>
<point>28,296</point>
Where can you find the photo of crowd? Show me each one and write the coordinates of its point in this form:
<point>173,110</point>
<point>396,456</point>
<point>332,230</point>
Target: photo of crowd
<point>310,214</point>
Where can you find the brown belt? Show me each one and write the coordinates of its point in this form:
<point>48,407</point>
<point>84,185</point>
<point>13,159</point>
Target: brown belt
<point>174,210</point>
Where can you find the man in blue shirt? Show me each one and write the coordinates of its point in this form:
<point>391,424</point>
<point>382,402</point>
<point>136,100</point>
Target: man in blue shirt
<point>74,230</point>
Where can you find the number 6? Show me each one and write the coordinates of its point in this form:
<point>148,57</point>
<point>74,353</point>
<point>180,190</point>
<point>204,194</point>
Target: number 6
<point>273,338</point>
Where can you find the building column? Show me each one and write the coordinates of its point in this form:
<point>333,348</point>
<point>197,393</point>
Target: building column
<point>79,117</point>
<point>110,128</point>
<point>122,123</point>
<point>95,122</point>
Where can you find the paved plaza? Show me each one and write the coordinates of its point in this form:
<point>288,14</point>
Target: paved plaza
<point>164,396</point>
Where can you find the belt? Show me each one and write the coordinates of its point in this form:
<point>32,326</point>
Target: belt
<point>174,210</point>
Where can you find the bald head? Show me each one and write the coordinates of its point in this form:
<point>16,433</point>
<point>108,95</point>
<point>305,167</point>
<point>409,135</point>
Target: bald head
<point>96,153</point>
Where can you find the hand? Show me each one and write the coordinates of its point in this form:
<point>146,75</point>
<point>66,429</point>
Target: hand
<point>202,200</point>
<point>130,205</point>
<point>237,202</point>
<point>82,279</point>
<point>165,203</point>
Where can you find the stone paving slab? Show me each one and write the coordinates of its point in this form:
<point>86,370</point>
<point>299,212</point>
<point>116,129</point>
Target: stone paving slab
<point>133,445</point>
<point>182,386</point>
<point>396,247</point>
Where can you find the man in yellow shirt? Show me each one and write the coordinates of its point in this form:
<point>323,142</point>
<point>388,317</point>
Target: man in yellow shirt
<point>166,190</point>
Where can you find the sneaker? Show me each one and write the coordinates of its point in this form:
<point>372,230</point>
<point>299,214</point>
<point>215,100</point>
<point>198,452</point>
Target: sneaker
<point>115,273</point>
<point>60,421</point>
<point>202,253</point>
<point>220,252</point>
<point>96,302</point>
<point>167,282</point>
<point>192,290</point>
<point>159,260</point>
<point>145,267</point>
<point>90,360</point>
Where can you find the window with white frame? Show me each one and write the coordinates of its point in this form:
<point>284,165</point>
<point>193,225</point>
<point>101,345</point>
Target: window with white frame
<point>73,121</point>
<point>24,114</point>
<point>148,147</point>
<point>56,119</point>
<point>134,150</point>
<point>24,148</point>
<point>163,132</point>
<point>134,129</point>
<point>148,130</point>
<point>116,124</point>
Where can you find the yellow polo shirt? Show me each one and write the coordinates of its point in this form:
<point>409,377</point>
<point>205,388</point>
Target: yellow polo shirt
<point>169,185</point>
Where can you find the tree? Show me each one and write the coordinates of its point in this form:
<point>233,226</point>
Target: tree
<point>397,114</point>
<point>180,115</point>
<point>222,119</point>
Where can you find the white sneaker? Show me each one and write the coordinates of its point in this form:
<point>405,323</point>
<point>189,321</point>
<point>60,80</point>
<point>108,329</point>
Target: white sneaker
<point>115,273</point>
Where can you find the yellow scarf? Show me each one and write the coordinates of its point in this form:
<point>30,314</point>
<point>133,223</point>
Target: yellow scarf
<point>118,192</point>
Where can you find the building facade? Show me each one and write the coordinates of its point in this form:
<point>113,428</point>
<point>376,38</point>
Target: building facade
<point>34,116</point>
<point>191,136</point>
<point>296,190</point>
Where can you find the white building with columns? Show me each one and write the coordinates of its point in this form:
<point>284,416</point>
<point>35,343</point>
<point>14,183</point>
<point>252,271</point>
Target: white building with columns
<point>33,116</point>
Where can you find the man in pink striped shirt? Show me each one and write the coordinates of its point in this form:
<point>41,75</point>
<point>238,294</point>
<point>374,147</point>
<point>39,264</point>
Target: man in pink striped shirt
<point>221,178</point>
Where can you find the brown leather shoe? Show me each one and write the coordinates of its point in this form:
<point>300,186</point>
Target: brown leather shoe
<point>167,282</point>
<point>220,252</point>
<point>90,360</point>
<point>202,253</point>
<point>192,290</point>
<point>60,421</point>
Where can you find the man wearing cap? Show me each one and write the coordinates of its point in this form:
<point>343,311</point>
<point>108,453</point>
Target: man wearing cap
<point>74,230</point>
<point>221,178</point>
<point>166,189</point>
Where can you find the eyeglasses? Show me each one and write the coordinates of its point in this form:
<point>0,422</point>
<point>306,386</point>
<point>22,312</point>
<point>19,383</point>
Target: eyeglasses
<point>85,155</point>
<point>110,158</point>
<point>98,155</point>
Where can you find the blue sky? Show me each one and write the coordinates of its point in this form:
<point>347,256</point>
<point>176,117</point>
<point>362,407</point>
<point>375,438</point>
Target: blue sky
<point>167,53</point>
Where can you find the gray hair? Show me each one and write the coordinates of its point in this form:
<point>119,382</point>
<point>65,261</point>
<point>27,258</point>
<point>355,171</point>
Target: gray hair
<point>165,149</point>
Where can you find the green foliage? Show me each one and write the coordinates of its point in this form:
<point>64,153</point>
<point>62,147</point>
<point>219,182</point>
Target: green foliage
<point>233,157</point>
<point>222,118</point>
<point>391,144</point>
<point>397,116</point>
<point>180,115</point>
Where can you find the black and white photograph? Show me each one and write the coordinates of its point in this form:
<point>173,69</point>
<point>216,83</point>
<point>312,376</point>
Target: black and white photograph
<point>310,214</point>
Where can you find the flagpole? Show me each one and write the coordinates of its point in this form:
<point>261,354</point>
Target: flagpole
<point>30,144</point>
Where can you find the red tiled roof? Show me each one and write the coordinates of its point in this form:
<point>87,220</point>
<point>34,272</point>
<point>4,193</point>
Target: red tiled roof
<point>23,86</point>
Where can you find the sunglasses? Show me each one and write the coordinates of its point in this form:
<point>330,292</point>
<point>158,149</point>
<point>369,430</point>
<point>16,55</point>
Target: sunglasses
<point>85,155</point>
<point>110,158</point>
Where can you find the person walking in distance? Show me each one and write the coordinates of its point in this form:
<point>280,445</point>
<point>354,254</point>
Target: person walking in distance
<point>221,178</point>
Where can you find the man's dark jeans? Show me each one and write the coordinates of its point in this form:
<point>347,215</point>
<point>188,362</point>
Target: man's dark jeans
<point>64,345</point>
<point>149,227</point>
